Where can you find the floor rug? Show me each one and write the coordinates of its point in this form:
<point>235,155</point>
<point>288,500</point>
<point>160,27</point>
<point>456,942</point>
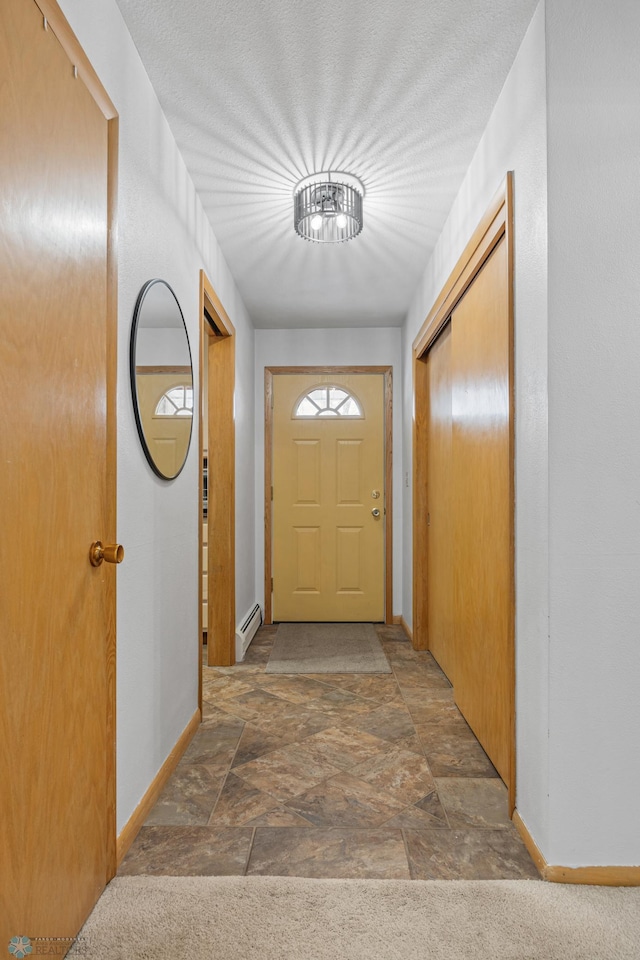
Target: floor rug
<point>327,648</point>
<point>285,918</point>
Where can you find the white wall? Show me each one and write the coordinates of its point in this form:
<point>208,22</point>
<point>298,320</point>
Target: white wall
<point>514,139</point>
<point>365,346</point>
<point>593,77</point>
<point>163,232</point>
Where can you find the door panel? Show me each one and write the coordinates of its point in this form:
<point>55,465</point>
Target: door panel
<point>440,510</point>
<point>482,515</point>
<point>55,608</point>
<point>328,548</point>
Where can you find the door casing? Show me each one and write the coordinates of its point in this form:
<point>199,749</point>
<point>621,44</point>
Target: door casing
<point>269,374</point>
<point>217,352</point>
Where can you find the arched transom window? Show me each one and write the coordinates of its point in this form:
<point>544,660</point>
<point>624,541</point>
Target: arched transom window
<point>176,402</point>
<point>327,401</point>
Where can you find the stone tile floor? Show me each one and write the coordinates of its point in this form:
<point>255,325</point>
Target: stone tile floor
<point>332,776</point>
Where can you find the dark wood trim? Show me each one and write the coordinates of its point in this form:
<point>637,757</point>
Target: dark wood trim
<point>496,223</point>
<point>269,374</point>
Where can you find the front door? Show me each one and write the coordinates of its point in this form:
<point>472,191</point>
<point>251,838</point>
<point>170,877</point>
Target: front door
<point>56,609</point>
<point>328,497</point>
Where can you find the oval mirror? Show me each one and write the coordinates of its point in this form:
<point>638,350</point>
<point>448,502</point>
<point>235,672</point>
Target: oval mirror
<point>161,378</point>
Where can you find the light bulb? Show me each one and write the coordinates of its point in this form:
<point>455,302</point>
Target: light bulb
<point>316,222</point>
<point>341,221</point>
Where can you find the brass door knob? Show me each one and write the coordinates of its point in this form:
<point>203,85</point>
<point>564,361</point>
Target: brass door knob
<point>375,513</point>
<point>111,552</point>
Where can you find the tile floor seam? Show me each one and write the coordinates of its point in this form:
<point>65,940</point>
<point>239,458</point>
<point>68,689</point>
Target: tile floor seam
<point>406,853</point>
<point>430,845</point>
<point>250,851</point>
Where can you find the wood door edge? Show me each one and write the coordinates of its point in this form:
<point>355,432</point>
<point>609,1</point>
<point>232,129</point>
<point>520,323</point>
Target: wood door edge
<point>221,476</point>
<point>133,825</point>
<point>269,373</point>
<point>112,483</point>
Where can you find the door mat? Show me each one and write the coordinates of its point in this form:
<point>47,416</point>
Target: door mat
<point>327,648</point>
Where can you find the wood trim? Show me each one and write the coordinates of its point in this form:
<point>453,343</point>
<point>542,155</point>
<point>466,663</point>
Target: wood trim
<point>339,371</point>
<point>269,374</point>
<point>397,620</point>
<point>268,475</point>
<point>594,876</point>
<point>148,371</point>
<point>420,636</point>
<point>496,223</point>
<point>112,480</point>
<point>67,39</point>
<point>407,629</point>
<point>487,234</point>
<point>218,353</point>
<point>509,239</point>
<point>530,844</point>
<point>131,829</point>
<point>214,307</point>
<point>388,495</point>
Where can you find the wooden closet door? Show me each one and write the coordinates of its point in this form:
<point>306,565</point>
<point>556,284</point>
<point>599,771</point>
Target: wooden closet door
<point>440,515</point>
<point>482,583</point>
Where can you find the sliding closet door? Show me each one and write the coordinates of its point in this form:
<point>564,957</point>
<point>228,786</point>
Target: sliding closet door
<point>481,490</point>
<point>440,515</point>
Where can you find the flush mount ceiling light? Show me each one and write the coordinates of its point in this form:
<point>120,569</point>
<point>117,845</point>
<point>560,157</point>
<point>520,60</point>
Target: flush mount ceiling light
<point>327,207</point>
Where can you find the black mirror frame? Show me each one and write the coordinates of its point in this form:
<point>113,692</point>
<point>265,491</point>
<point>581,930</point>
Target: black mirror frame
<point>132,372</point>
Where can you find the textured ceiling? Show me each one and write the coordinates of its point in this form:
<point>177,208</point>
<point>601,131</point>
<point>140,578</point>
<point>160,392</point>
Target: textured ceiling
<point>260,93</point>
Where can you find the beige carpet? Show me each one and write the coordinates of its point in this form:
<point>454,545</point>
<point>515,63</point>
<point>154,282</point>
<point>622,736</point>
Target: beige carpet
<point>327,648</point>
<point>274,918</point>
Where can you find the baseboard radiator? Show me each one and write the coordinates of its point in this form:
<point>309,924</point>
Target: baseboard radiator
<point>246,632</point>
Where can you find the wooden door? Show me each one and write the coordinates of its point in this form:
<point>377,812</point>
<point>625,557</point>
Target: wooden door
<point>328,478</point>
<point>439,585</point>
<point>56,610</point>
<point>480,352</point>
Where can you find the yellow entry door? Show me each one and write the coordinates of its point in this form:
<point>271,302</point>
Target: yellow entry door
<point>328,497</point>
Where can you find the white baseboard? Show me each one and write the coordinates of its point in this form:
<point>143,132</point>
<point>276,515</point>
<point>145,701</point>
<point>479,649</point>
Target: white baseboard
<point>247,631</point>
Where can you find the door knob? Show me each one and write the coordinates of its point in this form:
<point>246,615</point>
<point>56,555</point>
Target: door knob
<point>375,513</point>
<point>111,552</point>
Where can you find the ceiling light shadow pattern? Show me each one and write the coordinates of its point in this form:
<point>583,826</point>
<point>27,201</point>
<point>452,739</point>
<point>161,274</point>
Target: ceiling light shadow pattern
<point>261,95</point>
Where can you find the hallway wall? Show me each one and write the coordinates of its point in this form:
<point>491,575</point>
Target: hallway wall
<point>373,346</point>
<point>514,139</point>
<point>163,232</point>
<point>593,81</point>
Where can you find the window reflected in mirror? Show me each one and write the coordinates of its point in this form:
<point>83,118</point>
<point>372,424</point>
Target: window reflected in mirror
<point>162,379</point>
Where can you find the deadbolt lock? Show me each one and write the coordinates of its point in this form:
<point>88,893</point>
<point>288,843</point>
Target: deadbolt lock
<point>375,494</point>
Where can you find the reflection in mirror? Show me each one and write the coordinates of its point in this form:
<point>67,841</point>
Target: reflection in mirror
<point>161,378</point>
